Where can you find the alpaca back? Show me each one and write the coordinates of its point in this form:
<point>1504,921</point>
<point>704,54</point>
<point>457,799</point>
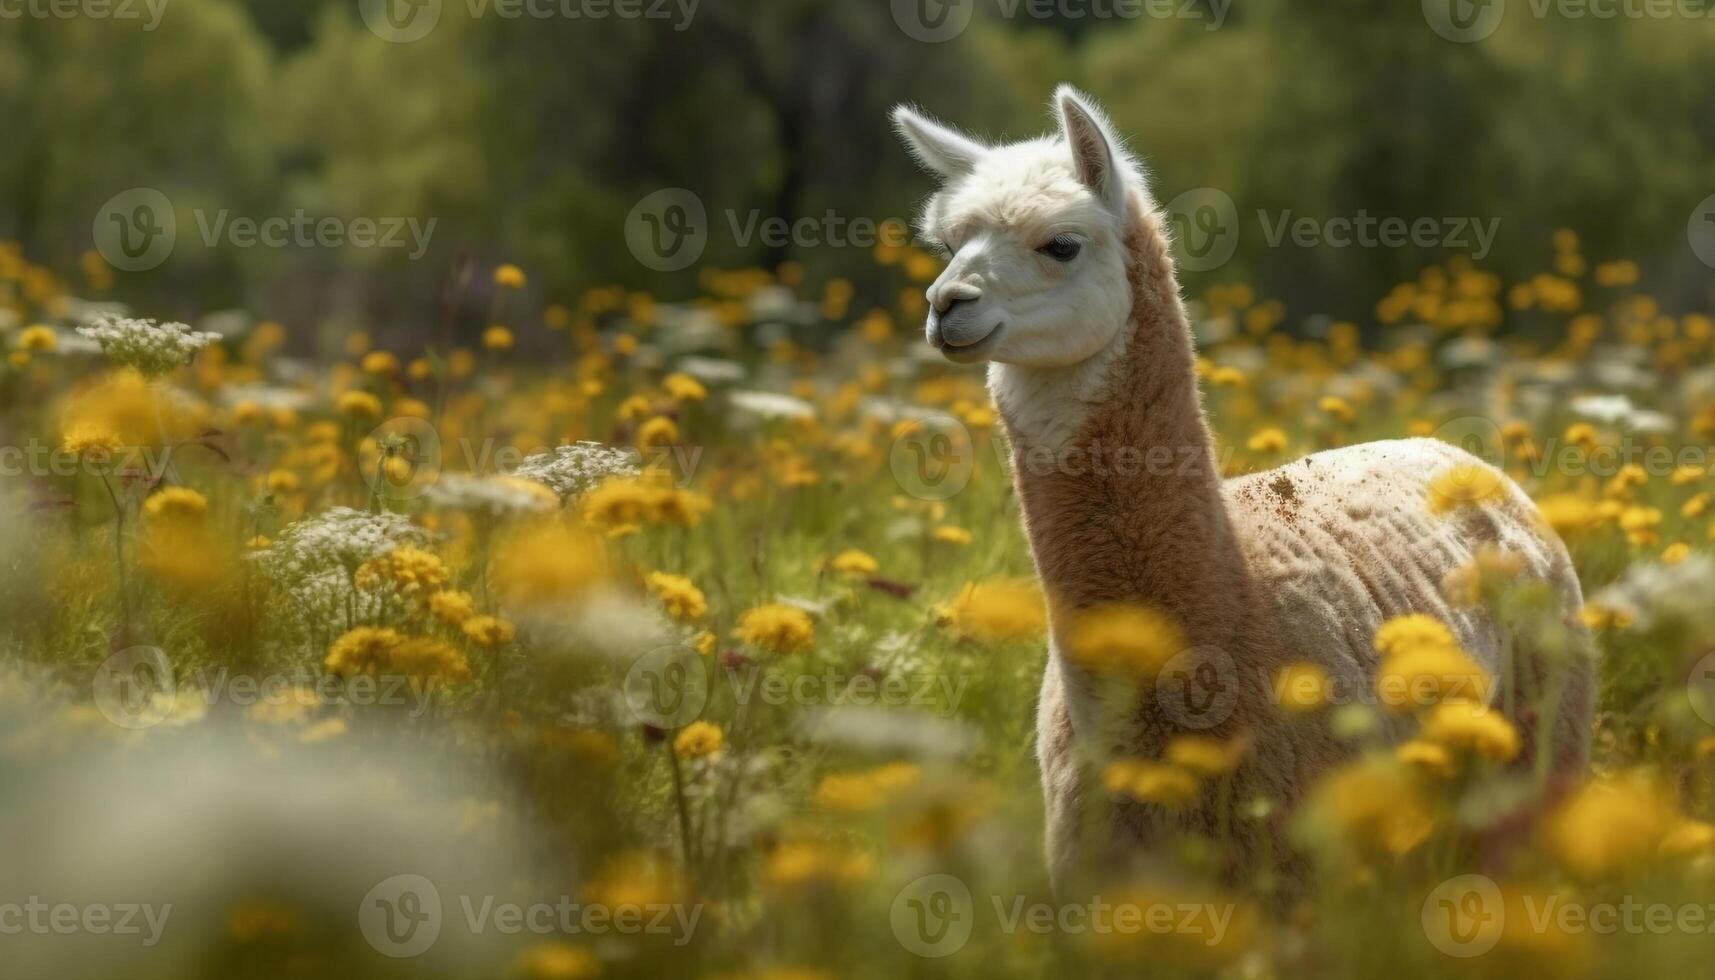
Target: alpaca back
<point>1343,540</point>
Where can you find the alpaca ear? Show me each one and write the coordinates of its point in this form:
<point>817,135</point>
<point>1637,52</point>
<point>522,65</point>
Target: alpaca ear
<point>938,148</point>
<point>1095,149</point>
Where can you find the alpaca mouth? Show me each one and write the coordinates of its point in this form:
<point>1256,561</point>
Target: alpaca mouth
<point>968,351</point>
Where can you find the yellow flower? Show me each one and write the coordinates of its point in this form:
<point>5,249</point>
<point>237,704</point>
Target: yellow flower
<point>509,276</point>
<point>364,650</point>
<point>359,404</point>
<point>1427,756</point>
<point>949,534</point>
<point>697,740</point>
<point>1302,687</point>
<point>558,960</point>
<point>1581,434</point>
<point>380,364</point>
<point>854,563</point>
<point>1675,553</point>
<point>1374,803</point>
<point>776,627</point>
<point>684,388</point>
<point>995,611</point>
<point>684,601</point>
<point>801,863</point>
<point>1465,484</point>
<point>1612,824</point>
<point>1428,675</point>
<point>538,566</point>
<point>1687,838</point>
<point>175,504</point>
<point>1411,631</point>
<point>1337,408</point>
<point>488,631</point>
<point>94,443</point>
<point>857,791</point>
<point>1123,639</point>
<point>1206,756</point>
<point>429,658</point>
<point>1464,725</point>
<point>1150,782</point>
<point>37,339</point>
<point>408,568</point>
<point>658,431</point>
<point>497,338</point>
<point>1269,440</point>
<point>452,607</point>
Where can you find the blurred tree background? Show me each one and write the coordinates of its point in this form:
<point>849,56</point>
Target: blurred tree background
<point>529,140</point>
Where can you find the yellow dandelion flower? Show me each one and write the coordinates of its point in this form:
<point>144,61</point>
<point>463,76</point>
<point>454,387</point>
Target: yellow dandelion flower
<point>1428,675</point>
<point>1302,687</point>
<point>684,601</point>
<point>697,740</point>
<point>1124,639</point>
<point>509,276</point>
<point>1467,484</point>
<point>1473,727</point>
<point>37,339</point>
<point>557,960</point>
<point>497,338</point>
<point>777,628</point>
<point>1267,441</point>
<point>488,631</point>
<point>1150,782</point>
<point>1408,632</point>
<point>949,534</point>
<point>175,504</point>
<point>853,563</point>
<point>684,388</point>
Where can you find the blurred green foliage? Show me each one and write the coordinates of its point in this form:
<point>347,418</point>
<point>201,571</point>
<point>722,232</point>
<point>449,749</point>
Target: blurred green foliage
<point>529,140</point>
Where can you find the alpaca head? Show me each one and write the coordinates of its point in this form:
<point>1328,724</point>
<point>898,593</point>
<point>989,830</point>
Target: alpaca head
<point>1035,235</point>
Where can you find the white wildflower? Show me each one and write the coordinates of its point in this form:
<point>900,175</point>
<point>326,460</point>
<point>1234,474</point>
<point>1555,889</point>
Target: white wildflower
<point>150,347</point>
<point>499,496</point>
<point>1651,593</point>
<point>336,540</point>
<point>767,405</point>
<point>570,470</point>
<point>1607,409</point>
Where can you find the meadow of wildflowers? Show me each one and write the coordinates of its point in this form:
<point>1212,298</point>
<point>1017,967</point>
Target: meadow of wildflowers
<point>654,638</point>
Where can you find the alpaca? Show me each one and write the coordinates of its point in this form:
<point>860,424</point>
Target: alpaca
<point>1060,279</point>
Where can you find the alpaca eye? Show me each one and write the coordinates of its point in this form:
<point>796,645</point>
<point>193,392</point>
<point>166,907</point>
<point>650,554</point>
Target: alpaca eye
<point>1061,248</point>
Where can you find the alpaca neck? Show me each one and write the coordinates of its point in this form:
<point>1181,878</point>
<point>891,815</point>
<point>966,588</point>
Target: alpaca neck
<point>1116,469</point>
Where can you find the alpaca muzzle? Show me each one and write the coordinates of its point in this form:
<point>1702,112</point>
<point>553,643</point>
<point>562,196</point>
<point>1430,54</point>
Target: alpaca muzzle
<point>958,325</point>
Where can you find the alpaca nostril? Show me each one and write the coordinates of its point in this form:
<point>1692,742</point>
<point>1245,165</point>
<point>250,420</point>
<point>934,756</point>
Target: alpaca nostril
<point>946,308</point>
